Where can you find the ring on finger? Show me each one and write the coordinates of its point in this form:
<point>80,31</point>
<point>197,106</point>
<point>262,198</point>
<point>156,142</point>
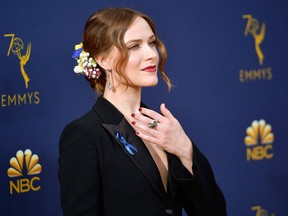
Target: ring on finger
<point>153,124</point>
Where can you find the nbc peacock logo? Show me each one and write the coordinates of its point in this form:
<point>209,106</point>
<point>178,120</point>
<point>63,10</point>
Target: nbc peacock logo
<point>24,169</point>
<point>259,141</point>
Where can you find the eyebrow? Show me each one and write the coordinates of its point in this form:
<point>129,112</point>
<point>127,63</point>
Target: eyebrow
<point>140,40</point>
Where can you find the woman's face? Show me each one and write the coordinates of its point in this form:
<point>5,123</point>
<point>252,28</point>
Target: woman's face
<point>141,68</point>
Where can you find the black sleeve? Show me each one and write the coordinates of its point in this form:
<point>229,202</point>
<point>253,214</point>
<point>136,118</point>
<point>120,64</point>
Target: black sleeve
<point>199,193</point>
<point>78,172</point>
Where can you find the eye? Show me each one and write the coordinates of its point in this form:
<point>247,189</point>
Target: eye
<point>133,47</point>
<point>152,43</point>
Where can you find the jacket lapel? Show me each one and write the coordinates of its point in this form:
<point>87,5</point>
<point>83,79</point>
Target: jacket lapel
<point>142,158</point>
<point>116,123</point>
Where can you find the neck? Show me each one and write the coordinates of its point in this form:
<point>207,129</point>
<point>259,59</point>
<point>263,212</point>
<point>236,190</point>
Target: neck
<point>126,101</point>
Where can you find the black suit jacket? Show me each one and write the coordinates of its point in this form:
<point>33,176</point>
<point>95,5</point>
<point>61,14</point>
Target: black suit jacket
<point>99,177</point>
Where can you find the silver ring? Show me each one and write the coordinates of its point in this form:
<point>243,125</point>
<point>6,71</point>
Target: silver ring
<point>153,124</point>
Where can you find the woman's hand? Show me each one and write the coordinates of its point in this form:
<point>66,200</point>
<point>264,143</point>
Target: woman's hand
<point>168,133</point>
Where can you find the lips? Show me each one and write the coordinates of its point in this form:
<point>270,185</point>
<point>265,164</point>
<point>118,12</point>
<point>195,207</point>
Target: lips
<point>150,68</point>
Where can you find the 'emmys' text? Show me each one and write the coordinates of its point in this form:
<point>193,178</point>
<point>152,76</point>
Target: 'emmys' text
<point>31,98</point>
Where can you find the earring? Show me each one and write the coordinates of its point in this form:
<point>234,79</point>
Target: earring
<point>110,81</point>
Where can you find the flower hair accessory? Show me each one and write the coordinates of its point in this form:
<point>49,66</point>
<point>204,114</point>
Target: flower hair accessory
<point>86,64</point>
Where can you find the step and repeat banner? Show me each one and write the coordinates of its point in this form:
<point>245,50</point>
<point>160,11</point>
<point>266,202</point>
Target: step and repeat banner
<point>228,63</point>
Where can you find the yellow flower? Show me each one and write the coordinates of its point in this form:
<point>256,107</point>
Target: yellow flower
<point>78,46</point>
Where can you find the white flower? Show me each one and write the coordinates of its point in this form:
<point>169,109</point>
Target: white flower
<point>78,69</point>
<point>86,64</point>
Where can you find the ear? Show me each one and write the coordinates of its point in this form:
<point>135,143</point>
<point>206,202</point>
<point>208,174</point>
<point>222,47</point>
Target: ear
<point>103,62</point>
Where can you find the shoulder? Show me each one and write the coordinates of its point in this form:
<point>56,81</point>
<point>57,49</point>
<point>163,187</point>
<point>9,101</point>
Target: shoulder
<point>84,129</point>
<point>89,123</point>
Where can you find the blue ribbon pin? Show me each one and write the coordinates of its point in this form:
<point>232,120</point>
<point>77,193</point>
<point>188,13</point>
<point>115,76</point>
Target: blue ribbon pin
<point>129,147</point>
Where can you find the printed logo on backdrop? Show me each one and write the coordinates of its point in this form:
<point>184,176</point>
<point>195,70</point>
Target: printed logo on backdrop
<point>259,141</point>
<point>260,211</point>
<point>17,49</point>
<point>256,32</point>
<point>24,170</point>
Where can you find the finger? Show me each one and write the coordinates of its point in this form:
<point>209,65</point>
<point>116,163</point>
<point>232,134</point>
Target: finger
<point>147,137</point>
<point>138,117</point>
<point>151,113</point>
<point>165,111</point>
<point>145,130</point>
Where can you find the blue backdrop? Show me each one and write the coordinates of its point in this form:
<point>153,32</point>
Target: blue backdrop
<point>227,60</point>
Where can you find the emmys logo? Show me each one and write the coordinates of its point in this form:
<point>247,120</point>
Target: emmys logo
<point>259,141</point>
<point>24,162</point>
<point>260,211</point>
<point>18,48</point>
<point>257,31</point>
<point>253,28</point>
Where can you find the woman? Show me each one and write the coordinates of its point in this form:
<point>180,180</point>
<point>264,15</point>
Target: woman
<point>122,158</point>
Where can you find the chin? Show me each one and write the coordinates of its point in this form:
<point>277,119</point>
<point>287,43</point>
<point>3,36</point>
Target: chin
<point>152,83</point>
<point>147,83</point>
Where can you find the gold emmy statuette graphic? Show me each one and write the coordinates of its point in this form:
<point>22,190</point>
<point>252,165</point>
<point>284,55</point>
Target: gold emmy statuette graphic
<point>260,211</point>
<point>253,28</point>
<point>16,46</point>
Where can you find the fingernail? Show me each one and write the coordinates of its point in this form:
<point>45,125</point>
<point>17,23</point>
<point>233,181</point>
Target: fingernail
<point>133,114</point>
<point>133,122</point>
<point>140,109</point>
<point>137,133</point>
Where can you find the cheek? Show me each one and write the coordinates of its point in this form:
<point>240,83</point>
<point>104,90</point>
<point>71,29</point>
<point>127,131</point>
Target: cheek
<point>157,57</point>
<point>133,65</point>
<point>133,60</point>
<point>156,54</point>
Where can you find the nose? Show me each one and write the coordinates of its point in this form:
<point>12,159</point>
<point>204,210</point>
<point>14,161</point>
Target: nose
<point>150,52</point>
